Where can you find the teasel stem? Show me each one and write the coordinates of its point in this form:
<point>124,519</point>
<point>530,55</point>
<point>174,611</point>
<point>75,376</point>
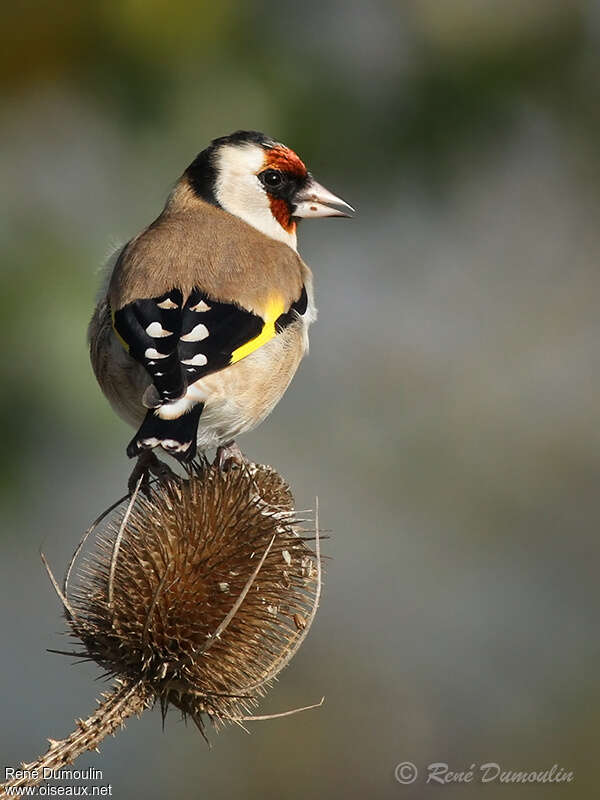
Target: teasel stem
<point>124,701</point>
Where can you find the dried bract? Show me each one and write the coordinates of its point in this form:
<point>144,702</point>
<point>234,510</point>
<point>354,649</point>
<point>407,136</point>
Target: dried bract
<point>196,590</point>
<point>196,594</point>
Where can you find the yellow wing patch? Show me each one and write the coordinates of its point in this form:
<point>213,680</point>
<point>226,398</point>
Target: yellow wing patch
<point>275,307</point>
<point>116,332</point>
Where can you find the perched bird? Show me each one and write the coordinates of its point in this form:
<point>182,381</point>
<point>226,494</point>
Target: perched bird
<point>205,315</point>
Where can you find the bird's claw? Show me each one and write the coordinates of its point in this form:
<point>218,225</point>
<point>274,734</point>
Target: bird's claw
<point>146,465</point>
<point>229,455</point>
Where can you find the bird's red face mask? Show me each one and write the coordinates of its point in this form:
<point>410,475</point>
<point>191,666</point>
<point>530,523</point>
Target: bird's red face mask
<point>293,193</point>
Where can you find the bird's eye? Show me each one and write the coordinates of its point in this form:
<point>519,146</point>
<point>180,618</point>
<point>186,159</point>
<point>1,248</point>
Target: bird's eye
<point>271,178</point>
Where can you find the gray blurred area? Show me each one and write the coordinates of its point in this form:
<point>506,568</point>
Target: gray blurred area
<point>447,416</point>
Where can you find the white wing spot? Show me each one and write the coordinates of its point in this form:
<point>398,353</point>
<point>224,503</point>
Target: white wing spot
<point>199,307</point>
<point>167,304</point>
<point>199,360</point>
<point>156,330</point>
<point>152,352</point>
<point>197,333</point>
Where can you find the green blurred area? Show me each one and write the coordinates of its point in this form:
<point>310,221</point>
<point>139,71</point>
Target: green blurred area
<point>407,88</point>
<point>447,414</point>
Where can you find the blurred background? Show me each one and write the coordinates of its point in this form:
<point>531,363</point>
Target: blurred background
<point>447,416</point>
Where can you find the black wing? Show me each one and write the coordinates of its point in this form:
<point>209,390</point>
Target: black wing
<point>179,343</point>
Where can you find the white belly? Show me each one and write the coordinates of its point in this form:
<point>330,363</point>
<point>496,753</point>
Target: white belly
<point>238,398</point>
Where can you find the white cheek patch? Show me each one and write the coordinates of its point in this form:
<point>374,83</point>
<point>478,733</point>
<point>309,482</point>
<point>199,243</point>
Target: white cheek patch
<point>240,192</point>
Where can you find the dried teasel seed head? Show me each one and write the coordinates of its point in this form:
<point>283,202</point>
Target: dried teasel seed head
<point>200,591</point>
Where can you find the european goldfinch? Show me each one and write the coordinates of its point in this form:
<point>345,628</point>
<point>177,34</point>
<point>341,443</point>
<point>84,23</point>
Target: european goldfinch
<point>206,312</point>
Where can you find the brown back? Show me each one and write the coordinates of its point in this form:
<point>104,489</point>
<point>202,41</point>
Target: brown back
<point>194,244</point>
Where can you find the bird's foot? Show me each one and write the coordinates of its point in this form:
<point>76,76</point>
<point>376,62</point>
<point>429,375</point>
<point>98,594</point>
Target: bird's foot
<point>146,465</point>
<point>229,455</point>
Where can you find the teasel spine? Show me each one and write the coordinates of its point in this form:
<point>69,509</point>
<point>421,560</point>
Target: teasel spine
<point>262,499</point>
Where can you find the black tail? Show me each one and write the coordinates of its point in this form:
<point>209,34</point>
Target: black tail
<point>176,436</point>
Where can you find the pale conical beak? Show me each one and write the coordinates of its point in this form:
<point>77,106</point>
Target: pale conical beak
<point>314,200</point>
